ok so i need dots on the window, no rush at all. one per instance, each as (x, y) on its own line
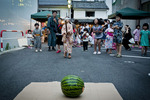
(90, 14)
(146, 6)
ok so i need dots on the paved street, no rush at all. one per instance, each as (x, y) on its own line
(129, 74)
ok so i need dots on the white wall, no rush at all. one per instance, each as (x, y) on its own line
(109, 4)
(80, 14)
(16, 17)
(101, 14)
(63, 11)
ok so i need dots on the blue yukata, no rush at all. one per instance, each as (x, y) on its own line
(37, 39)
(52, 26)
(118, 32)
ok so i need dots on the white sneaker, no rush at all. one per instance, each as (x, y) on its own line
(94, 52)
(99, 53)
(40, 50)
(148, 74)
(36, 50)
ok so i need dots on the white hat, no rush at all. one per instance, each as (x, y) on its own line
(67, 18)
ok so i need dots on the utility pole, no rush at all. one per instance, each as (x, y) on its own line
(69, 8)
(139, 8)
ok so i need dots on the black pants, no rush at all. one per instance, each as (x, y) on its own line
(85, 46)
(126, 44)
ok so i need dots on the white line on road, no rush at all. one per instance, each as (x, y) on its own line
(135, 56)
(130, 56)
(131, 50)
(138, 50)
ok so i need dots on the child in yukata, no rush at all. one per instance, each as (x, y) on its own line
(67, 39)
(136, 34)
(109, 39)
(117, 26)
(37, 33)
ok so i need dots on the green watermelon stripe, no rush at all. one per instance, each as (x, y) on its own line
(67, 80)
(72, 86)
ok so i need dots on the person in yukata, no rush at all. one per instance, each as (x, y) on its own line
(37, 33)
(52, 29)
(136, 34)
(117, 26)
(67, 39)
(109, 39)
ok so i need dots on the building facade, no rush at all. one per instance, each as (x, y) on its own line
(61, 6)
(89, 10)
(135, 4)
(82, 10)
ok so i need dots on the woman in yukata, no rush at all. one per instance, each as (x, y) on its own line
(67, 33)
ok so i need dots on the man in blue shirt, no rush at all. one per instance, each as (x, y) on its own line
(117, 26)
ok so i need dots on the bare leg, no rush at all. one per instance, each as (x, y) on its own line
(120, 48)
(99, 45)
(138, 43)
(107, 50)
(145, 50)
(117, 48)
(142, 50)
(95, 45)
(58, 47)
(110, 51)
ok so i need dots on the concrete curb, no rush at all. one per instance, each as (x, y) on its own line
(15, 49)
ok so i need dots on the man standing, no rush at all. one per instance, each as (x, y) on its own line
(52, 30)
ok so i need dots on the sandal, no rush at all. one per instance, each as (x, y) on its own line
(65, 54)
(69, 56)
(119, 56)
(109, 52)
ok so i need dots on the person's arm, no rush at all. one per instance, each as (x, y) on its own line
(48, 23)
(140, 36)
(70, 29)
(149, 36)
(33, 33)
(101, 29)
(94, 31)
(63, 30)
(41, 34)
(120, 26)
(48, 26)
(134, 32)
(127, 31)
(87, 34)
(106, 30)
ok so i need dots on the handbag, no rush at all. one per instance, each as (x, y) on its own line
(132, 41)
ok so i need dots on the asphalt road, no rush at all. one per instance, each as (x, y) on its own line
(129, 74)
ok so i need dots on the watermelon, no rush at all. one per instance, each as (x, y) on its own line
(72, 86)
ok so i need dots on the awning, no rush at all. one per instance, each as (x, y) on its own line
(41, 16)
(129, 13)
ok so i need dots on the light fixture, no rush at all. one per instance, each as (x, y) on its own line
(69, 6)
(69, 1)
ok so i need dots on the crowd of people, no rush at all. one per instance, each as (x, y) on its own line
(102, 33)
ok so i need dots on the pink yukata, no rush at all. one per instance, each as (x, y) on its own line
(136, 33)
(109, 38)
(67, 38)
